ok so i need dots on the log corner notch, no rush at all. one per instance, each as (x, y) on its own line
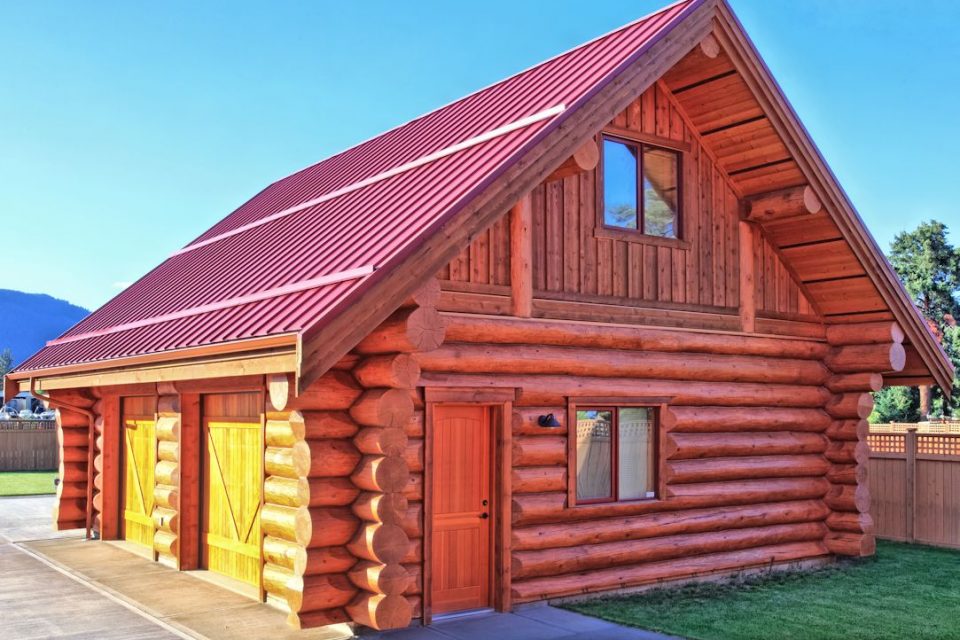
(74, 505)
(784, 203)
(166, 514)
(859, 355)
(585, 158)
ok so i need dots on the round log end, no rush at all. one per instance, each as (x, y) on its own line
(709, 46)
(810, 200)
(898, 357)
(425, 329)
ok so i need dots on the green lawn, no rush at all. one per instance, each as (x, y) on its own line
(26, 483)
(906, 591)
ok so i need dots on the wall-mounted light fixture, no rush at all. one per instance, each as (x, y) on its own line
(548, 421)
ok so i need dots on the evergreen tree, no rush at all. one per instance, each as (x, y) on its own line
(6, 362)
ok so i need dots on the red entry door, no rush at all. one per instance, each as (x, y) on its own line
(462, 508)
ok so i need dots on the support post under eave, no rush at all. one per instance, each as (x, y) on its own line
(748, 298)
(521, 258)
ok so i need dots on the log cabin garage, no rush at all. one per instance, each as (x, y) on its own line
(608, 323)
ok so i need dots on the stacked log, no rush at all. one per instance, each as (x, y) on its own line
(106, 467)
(742, 467)
(73, 437)
(166, 509)
(306, 515)
(387, 414)
(860, 353)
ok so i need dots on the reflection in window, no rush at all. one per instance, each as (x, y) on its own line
(654, 210)
(615, 451)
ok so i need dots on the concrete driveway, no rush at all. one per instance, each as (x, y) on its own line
(39, 598)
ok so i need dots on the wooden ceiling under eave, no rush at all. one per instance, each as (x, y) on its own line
(735, 129)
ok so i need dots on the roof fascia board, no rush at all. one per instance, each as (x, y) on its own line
(808, 156)
(328, 341)
(282, 361)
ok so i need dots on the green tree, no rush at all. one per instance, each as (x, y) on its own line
(6, 362)
(929, 266)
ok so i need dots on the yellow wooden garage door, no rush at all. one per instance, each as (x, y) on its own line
(139, 463)
(232, 484)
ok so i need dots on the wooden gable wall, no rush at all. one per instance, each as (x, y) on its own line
(576, 260)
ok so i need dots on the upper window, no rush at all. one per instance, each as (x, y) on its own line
(641, 187)
(616, 454)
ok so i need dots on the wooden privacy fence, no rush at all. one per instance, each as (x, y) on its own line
(28, 445)
(915, 486)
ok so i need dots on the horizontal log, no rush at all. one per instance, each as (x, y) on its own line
(414, 428)
(167, 473)
(73, 472)
(332, 458)
(383, 408)
(857, 545)
(413, 455)
(66, 419)
(321, 560)
(852, 498)
(73, 438)
(631, 576)
(539, 451)
(319, 593)
(385, 543)
(501, 330)
(166, 543)
(744, 468)
(850, 405)
(390, 579)
(317, 619)
(408, 330)
(287, 462)
(867, 358)
(77, 454)
(848, 452)
(389, 508)
(525, 421)
(167, 497)
(331, 527)
(292, 524)
(783, 203)
(288, 492)
(334, 391)
(286, 432)
(169, 451)
(604, 363)
(585, 158)
(685, 446)
(847, 473)
(165, 519)
(329, 424)
(538, 479)
(603, 530)
(390, 441)
(332, 492)
(851, 429)
(386, 474)
(414, 488)
(69, 510)
(276, 578)
(551, 562)
(850, 522)
(412, 522)
(168, 428)
(883, 332)
(545, 389)
(428, 295)
(848, 382)
(283, 554)
(395, 370)
(381, 612)
(414, 553)
(546, 508)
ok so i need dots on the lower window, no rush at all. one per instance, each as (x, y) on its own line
(615, 453)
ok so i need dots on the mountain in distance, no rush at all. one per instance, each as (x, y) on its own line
(29, 320)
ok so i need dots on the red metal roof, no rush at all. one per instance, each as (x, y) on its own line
(240, 279)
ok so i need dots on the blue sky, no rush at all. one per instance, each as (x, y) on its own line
(127, 128)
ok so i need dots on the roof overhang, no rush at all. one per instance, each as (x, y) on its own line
(259, 356)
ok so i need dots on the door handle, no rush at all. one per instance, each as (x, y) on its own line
(484, 515)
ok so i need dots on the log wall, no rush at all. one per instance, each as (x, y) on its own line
(70, 509)
(166, 510)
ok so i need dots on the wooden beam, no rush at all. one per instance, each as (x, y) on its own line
(748, 290)
(521, 257)
(781, 204)
(710, 47)
(585, 158)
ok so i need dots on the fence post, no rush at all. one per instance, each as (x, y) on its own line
(910, 446)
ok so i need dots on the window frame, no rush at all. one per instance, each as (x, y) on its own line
(641, 142)
(614, 404)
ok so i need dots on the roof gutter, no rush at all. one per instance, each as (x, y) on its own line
(91, 420)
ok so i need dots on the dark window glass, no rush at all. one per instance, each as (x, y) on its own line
(616, 454)
(619, 185)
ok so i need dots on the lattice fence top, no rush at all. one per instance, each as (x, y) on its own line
(948, 426)
(887, 442)
(931, 444)
(28, 425)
